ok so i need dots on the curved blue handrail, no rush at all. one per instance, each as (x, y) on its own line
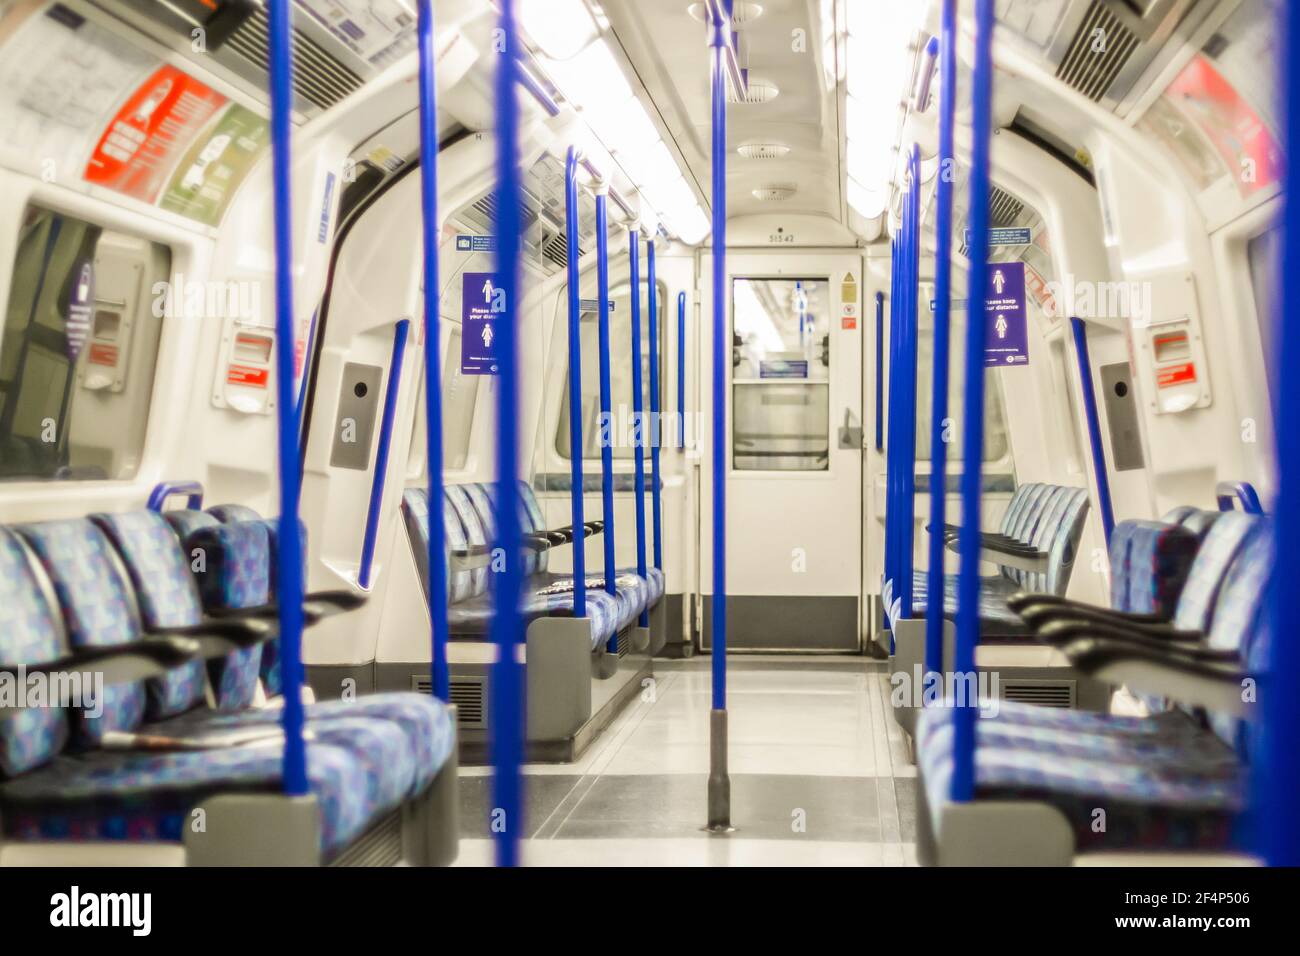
(638, 409)
(656, 432)
(506, 629)
(1100, 473)
(193, 491)
(968, 583)
(606, 401)
(575, 383)
(934, 591)
(289, 567)
(1231, 493)
(379, 478)
(440, 670)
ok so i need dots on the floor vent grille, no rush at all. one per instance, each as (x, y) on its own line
(1099, 51)
(469, 694)
(381, 845)
(1058, 694)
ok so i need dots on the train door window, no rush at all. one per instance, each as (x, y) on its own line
(1265, 254)
(781, 374)
(459, 396)
(78, 351)
(620, 377)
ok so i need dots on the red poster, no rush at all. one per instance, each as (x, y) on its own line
(151, 132)
(1245, 144)
(1176, 375)
(247, 375)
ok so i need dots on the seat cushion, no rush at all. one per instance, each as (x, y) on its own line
(608, 614)
(356, 768)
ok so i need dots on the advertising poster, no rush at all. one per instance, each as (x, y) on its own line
(215, 166)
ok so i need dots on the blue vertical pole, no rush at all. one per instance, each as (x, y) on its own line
(719, 787)
(656, 432)
(606, 401)
(289, 567)
(575, 383)
(891, 450)
(638, 409)
(968, 584)
(1094, 427)
(1278, 784)
(441, 672)
(880, 371)
(910, 336)
(506, 629)
(681, 371)
(934, 595)
(374, 509)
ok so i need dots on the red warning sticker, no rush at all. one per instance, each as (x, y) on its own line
(849, 322)
(1176, 375)
(247, 375)
(101, 354)
(150, 133)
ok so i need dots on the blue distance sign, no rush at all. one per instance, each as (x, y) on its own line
(482, 309)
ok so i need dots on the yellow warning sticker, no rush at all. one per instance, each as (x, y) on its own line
(849, 288)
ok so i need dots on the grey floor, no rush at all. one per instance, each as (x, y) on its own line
(819, 776)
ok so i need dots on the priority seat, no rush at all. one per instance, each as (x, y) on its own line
(1175, 780)
(178, 742)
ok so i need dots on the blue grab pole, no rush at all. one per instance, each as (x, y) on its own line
(681, 371)
(375, 509)
(1278, 783)
(638, 409)
(891, 450)
(1094, 427)
(968, 584)
(719, 784)
(575, 384)
(907, 527)
(506, 689)
(606, 401)
(880, 371)
(934, 600)
(289, 567)
(656, 432)
(440, 671)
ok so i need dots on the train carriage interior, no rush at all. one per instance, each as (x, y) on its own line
(651, 433)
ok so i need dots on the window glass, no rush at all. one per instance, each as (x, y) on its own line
(459, 395)
(996, 443)
(1265, 252)
(620, 375)
(78, 351)
(781, 361)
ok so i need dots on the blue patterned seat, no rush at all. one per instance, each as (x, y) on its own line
(1166, 781)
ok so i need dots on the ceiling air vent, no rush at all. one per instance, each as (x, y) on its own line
(1004, 208)
(759, 91)
(764, 150)
(318, 77)
(555, 249)
(773, 193)
(1099, 51)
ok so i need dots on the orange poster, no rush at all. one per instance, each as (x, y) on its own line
(151, 132)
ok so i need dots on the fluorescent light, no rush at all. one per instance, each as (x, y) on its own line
(693, 228)
(591, 80)
(560, 28)
(627, 128)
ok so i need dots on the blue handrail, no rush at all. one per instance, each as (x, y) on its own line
(638, 408)
(681, 371)
(377, 481)
(506, 689)
(1278, 782)
(289, 567)
(606, 419)
(1099, 470)
(880, 371)
(934, 601)
(193, 491)
(1231, 493)
(438, 627)
(907, 491)
(891, 451)
(575, 382)
(656, 432)
(968, 583)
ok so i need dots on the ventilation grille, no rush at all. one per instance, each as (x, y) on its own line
(555, 249)
(764, 150)
(624, 643)
(381, 845)
(317, 76)
(773, 193)
(1058, 694)
(757, 91)
(1100, 49)
(1004, 208)
(468, 694)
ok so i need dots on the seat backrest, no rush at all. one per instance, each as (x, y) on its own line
(1035, 526)
(469, 584)
(95, 598)
(1216, 554)
(1159, 557)
(1014, 507)
(1064, 545)
(31, 632)
(167, 595)
(1030, 511)
(230, 513)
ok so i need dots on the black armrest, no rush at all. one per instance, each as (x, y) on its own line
(315, 605)
(1059, 633)
(152, 656)
(1039, 616)
(1200, 677)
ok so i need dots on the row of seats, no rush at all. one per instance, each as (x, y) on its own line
(1185, 632)
(470, 522)
(177, 612)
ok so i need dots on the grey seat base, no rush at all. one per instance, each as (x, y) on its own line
(1061, 684)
